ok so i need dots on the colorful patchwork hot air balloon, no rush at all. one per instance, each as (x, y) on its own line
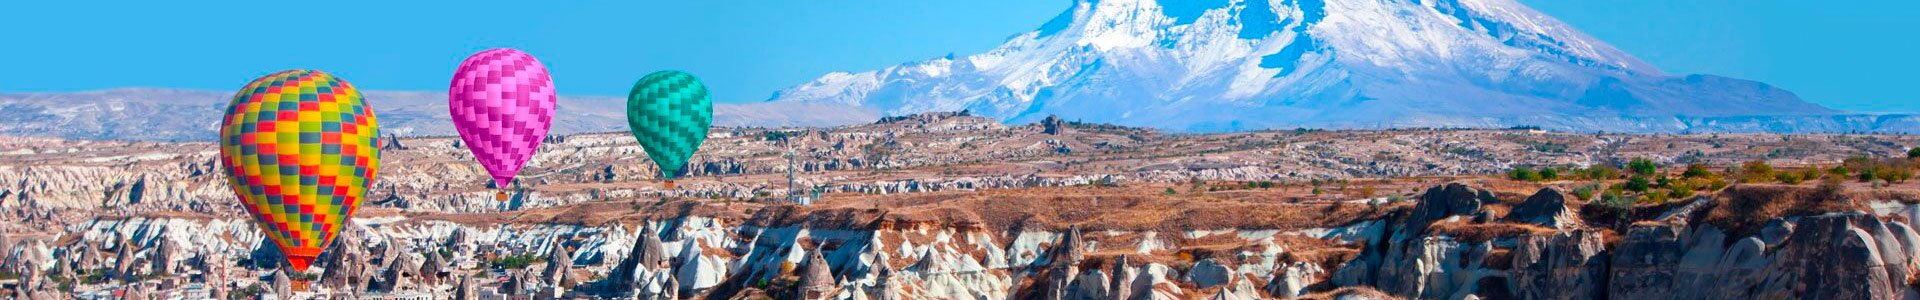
(502, 103)
(300, 149)
(669, 112)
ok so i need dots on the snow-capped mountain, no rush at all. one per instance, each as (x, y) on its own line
(1252, 64)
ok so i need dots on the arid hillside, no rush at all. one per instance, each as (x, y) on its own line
(939, 206)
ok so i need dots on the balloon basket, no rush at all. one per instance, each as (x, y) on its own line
(669, 184)
(298, 285)
(500, 196)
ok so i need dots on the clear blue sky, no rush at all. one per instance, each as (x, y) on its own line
(1854, 55)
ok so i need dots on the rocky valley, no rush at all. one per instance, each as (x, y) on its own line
(953, 206)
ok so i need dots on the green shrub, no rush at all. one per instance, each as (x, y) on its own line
(1638, 184)
(518, 261)
(1599, 172)
(1788, 177)
(1913, 154)
(1523, 174)
(1642, 167)
(1839, 171)
(1696, 171)
(1756, 171)
(1679, 193)
(1585, 192)
(1811, 173)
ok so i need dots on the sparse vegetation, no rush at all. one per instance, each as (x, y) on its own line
(1642, 167)
(1679, 193)
(1601, 172)
(1697, 171)
(1788, 177)
(1638, 184)
(518, 261)
(1524, 174)
(1549, 174)
(1585, 192)
(1756, 172)
(1743, 210)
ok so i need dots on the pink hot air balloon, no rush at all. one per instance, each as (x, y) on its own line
(502, 103)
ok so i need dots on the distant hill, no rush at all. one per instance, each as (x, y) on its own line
(194, 115)
(1229, 65)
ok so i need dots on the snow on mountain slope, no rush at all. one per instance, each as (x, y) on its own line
(1217, 65)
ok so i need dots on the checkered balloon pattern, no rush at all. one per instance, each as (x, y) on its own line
(502, 102)
(669, 112)
(300, 149)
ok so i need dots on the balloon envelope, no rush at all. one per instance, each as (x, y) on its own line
(669, 113)
(502, 103)
(300, 150)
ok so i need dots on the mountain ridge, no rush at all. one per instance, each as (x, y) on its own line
(1253, 64)
(194, 115)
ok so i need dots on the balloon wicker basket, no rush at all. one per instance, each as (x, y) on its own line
(500, 196)
(669, 184)
(298, 285)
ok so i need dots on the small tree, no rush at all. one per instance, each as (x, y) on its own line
(1642, 167)
(1696, 171)
(1549, 174)
(1170, 192)
(1523, 174)
(1585, 192)
(1638, 184)
(1756, 171)
(1913, 154)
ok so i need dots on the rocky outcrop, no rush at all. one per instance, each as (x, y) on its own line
(1120, 285)
(282, 286)
(559, 270)
(1547, 208)
(1566, 265)
(816, 277)
(1053, 125)
(1435, 249)
(1669, 255)
(465, 290)
(401, 273)
(1453, 199)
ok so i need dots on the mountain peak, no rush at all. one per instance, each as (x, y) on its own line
(1253, 64)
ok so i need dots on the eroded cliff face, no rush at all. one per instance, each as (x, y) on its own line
(1453, 241)
(714, 258)
(1682, 252)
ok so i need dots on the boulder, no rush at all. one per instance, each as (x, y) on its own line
(1547, 208)
(1440, 202)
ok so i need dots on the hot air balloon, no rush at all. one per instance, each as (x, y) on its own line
(502, 103)
(669, 112)
(300, 149)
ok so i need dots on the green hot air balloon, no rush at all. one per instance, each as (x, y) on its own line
(669, 112)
